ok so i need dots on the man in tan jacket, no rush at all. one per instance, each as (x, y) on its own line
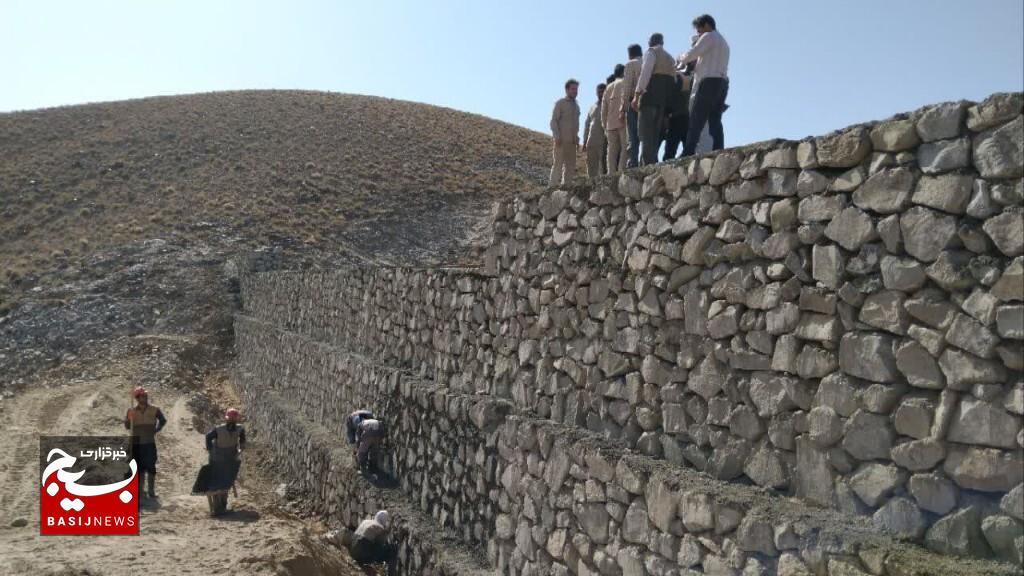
(631, 75)
(593, 136)
(565, 132)
(614, 121)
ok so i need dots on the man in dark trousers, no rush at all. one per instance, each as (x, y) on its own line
(678, 112)
(653, 90)
(144, 421)
(224, 443)
(711, 84)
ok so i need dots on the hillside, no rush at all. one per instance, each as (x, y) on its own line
(116, 218)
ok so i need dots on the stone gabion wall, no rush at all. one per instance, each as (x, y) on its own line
(839, 319)
(543, 498)
(297, 416)
(445, 452)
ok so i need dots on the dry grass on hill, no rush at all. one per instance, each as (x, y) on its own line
(325, 171)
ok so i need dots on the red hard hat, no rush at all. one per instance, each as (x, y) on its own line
(139, 391)
(232, 414)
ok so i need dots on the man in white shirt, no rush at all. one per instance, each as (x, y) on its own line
(711, 84)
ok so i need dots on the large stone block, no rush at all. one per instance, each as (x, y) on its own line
(984, 469)
(1007, 231)
(994, 110)
(948, 192)
(958, 534)
(941, 121)
(868, 436)
(868, 355)
(902, 518)
(887, 191)
(999, 153)
(926, 233)
(983, 423)
(844, 149)
(894, 136)
(851, 228)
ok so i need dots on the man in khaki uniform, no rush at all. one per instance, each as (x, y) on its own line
(631, 75)
(651, 97)
(565, 132)
(614, 121)
(593, 136)
(144, 421)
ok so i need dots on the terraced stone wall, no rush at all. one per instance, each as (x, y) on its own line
(839, 319)
(540, 497)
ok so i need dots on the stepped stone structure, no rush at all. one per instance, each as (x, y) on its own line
(790, 358)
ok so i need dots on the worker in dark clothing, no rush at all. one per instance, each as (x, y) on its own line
(144, 421)
(352, 423)
(678, 112)
(371, 543)
(224, 444)
(370, 436)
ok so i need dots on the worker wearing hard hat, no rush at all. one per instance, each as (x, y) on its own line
(224, 443)
(144, 421)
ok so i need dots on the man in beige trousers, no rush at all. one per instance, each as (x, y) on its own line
(565, 132)
(614, 121)
(593, 136)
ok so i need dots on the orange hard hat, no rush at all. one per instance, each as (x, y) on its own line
(232, 415)
(139, 391)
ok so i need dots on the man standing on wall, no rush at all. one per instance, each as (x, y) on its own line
(614, 121)
(711, 84)
(593, 136)
(653, 90)
(678, 111)
(565, 130)
(630, 75)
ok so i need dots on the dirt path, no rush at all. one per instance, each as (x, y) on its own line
(177, 537)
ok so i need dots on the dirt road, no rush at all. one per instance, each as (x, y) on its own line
(177, 537)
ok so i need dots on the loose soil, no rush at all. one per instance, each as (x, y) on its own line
(260, 535)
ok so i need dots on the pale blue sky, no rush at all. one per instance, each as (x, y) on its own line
(798, 67)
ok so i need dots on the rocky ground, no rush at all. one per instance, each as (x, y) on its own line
(264, 533)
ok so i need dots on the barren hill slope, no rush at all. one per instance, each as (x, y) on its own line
(117, 217)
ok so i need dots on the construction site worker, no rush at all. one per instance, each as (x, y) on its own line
(653, 90)
(593, 137)
(144, 421)
(224, 444)
(614, 121)
(565, 129)
(631, 74)
(711, 84)
(352, 423)
(370, 543)
(370, 434)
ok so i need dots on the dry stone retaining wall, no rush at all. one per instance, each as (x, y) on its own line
(839, 319)
(540, 497)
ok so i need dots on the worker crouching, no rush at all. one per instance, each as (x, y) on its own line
(370, 438)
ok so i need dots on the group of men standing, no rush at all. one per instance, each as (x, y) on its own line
(651, 99)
